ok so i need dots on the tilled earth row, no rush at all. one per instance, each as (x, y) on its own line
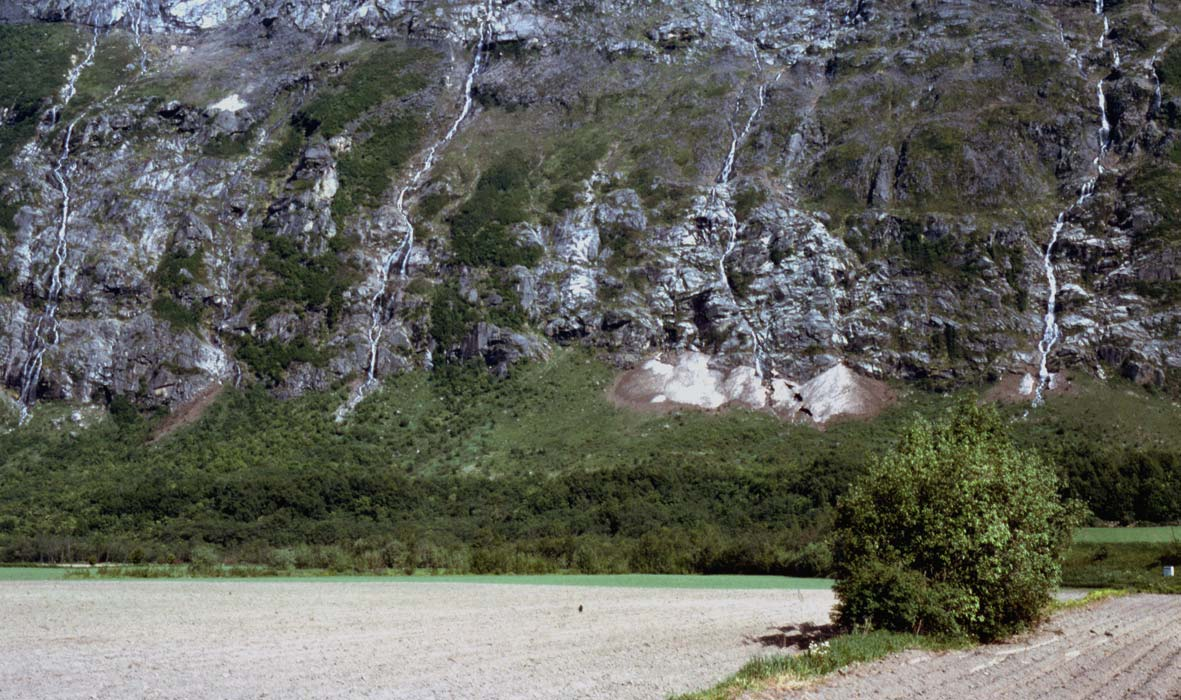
(1124, 648)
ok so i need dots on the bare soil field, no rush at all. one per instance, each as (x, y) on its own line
(1124, 648)
(254, 639)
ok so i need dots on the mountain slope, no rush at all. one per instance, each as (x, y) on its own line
(779, 185)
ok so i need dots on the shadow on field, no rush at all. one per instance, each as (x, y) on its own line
(800, 636)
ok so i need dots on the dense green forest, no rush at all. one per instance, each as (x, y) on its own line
(539, 472)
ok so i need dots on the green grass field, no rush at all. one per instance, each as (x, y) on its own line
(1119, 535)
(32, 573)
(722, 582)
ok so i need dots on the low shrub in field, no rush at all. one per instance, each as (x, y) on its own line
(954, 532)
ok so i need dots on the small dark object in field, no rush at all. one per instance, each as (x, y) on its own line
(579, 608)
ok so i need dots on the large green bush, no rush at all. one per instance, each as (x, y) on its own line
(480, 229)
(956, 531)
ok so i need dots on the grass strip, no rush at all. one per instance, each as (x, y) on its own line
(786, 672)
(1121, 535)
(251, 573)
(32, 573)
(1090, 598)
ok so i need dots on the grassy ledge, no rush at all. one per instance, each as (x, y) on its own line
(771, 673)
(1090, 598)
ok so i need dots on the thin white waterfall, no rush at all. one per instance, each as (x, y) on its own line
(720, 196)
(400, 256)
(45, 330)
(1051, 333)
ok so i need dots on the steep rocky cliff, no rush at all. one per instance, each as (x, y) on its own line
(307, 194)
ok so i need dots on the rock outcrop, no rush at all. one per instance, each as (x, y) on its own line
(235, 169)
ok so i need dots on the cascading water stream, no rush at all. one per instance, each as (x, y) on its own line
(720, 196)
(1051, 333)
(45, 331)
(400, 256)
(136, 33)
(1151, 67)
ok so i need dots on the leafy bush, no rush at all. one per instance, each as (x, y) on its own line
(175, 272)
(366, 171)
(451, 316)
(956, 531)
(270, 358)
(177, 313)
(283, 152)
(384, 74)
(8, 211)
(303, 280)
(480, 229)
(227, 146)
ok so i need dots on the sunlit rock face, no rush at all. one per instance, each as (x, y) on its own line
(696, 380)
(765, 197)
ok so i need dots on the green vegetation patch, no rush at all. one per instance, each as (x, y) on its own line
(454, 470)
(480, 229)
(1159, 183)
(1107, 535)
(303, 281)
(451, 315)
(32, 573)
(115, 63)
(667, 581)
(819, 660)
(176, 272)
(270, 358)
(177, 313)
(458, 471)
(385, 73)
(380, 150)
(1169, 70)
(1123, 454)
(1131, 565)
(283, 152)
(571, 163)
(34, 60)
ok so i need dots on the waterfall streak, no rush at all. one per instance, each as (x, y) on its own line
(1051, 333)
(136, 33)
(45, 332)
(400, 256)
(719, 195)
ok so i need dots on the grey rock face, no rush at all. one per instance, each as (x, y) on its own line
(882, 212)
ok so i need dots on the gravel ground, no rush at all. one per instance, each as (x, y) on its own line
(200, 639)
(1124, 648)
